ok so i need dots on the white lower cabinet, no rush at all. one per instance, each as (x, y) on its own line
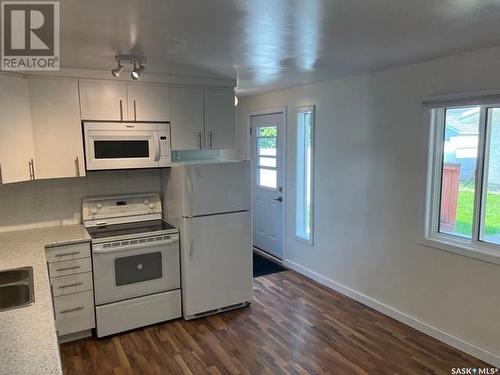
(74, 313)
(72, 290)
(72, 284)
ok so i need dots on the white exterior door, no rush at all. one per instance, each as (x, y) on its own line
(268, 195)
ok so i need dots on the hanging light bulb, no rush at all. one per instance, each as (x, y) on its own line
(236, 100)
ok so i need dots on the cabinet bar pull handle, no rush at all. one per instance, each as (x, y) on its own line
(1, 179)
(121, 110)
(198, 135)
(68, 268)
(77, 166)
(31, 166)
(135, 112)
(68, 254)
(72, 310)
(211, 139)
(70, 285)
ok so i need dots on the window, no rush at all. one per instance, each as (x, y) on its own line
(267, 172)
(305, 164)
(464, 190)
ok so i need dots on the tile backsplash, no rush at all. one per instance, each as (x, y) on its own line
(58, 202)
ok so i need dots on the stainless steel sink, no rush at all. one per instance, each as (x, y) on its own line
(16, 288)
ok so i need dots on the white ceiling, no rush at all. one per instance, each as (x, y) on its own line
(270, 44)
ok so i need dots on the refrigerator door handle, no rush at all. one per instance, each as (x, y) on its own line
(189, 200)
(191, 249)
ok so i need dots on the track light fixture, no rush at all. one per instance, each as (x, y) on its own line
(136, 62)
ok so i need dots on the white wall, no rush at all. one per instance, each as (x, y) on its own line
(371, 155)
(45, 203)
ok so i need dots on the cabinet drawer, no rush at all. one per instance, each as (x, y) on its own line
(70, 267)
(61, 253)
(74, 313)
(71, 284)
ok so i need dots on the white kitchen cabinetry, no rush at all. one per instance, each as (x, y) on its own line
(186, 106)
(148, 103)
(56, 128)
(70, 273)
(202, 118)
(105, 101)
(219, 118)
(16, 134)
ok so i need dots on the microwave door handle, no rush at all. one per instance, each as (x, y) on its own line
(157, 151)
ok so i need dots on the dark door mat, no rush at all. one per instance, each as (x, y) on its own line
(263, 266)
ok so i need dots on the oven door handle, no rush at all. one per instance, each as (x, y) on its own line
(135, 247)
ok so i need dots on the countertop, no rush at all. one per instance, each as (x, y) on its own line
(28, 339)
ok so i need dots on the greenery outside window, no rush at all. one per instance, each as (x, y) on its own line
(463, 205)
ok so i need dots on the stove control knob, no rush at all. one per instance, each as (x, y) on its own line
(93, 211)
(151, 206)
(99, 205)
(146, 202)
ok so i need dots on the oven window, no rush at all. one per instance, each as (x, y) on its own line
(121, 149)
(137, 268)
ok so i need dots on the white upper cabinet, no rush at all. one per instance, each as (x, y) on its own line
(148, 103)
(219, 118)
(106, 101)
(186, 106)
(57, 128)
(16, 135)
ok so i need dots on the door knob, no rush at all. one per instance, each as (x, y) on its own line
(279, 199)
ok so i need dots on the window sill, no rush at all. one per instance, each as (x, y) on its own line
(485, 253)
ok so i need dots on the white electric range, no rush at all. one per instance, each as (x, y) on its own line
(135, 257)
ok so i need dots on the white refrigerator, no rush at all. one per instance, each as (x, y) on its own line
(211, 204)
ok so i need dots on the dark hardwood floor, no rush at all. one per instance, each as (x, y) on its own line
(294, 326)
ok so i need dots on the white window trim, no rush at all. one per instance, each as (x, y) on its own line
(298, 110)
(472, 248)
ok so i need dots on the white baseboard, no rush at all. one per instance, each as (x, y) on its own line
(419, 325)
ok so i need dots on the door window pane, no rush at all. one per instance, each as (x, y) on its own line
(266, 146)
(458, 179)
(268, 178)
(267, 131)
(491, 210)
(267, 162)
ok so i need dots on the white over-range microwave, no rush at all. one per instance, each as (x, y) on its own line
(130, 145)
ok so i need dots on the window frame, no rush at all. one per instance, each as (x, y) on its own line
(473, 247)
(299, 110)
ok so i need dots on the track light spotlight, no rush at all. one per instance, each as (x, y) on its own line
(116, 71)
(137, 72)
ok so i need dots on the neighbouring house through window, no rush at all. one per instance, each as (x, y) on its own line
(464, 196)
